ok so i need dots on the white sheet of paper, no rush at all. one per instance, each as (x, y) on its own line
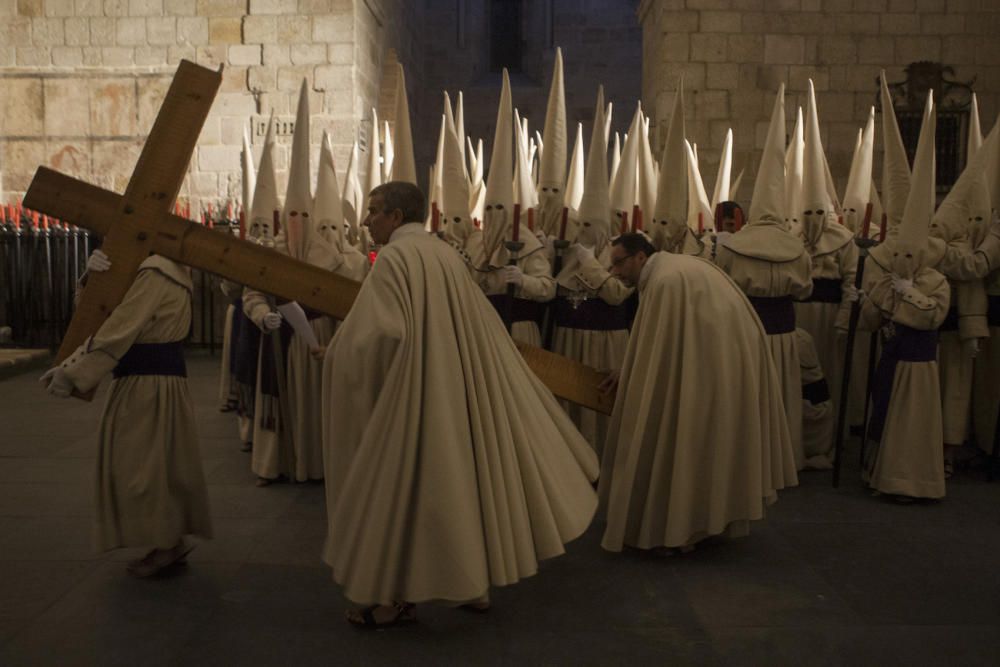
(293, 313)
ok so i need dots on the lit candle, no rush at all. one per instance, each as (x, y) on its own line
(882, 226)
(562, 224)
(866, 225)
(276, 217)
(515, 234)
(243, 226)
(531, 219)
(701, 224)
(635, 218)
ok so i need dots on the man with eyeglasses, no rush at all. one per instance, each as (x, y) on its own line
(676, 467)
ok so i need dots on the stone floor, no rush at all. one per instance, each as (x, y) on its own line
(831, 577)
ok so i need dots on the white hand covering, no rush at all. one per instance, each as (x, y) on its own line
(57, 382)
(581, 252)
(98, 261)
(512, 275)
(901, 285)
(272, 321)
(852, 294)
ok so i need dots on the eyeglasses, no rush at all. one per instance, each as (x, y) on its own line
(621, 260)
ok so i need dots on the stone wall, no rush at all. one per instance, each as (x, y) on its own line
(734, 53)
(82, 80)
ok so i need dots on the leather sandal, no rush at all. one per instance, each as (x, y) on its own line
(403, 614)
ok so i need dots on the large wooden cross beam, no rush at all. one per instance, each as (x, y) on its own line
(140, 223)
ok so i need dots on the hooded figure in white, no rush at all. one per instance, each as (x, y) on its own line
(294, 450)
(669, 229)
(552, 168)
(531, 274)
(228, 385)
(772, 268)
(907, 301)
(455, 216)
(592, 312)
(825, 313)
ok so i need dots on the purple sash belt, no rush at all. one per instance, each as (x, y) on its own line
(592, 314)
(907, 344)
(776, 313)
(152, 359)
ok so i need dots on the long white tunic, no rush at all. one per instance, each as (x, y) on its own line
(150, 485)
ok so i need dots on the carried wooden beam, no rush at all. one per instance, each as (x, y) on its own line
(140, 223)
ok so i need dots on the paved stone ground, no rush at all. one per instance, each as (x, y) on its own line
(831, 577)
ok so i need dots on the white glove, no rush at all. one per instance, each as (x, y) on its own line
(722, 237)
(901, 285)
(853, 295)
(272, 321)
(971, 347)
(582, 252)
(56, 382)
(512, 275)
(98, 261)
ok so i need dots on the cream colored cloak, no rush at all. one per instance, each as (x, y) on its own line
(450, 467)
(697, 439)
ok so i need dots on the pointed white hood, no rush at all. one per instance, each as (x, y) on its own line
(625, 186)
(456, 219)
(858, 191)
(817, 204)
(910, 242)
(647, 177)
(699, 206)
(966, 209)
(616, 159)
(721, 192)
(477, 187)
(552, 172)
(498, 213)
(389, 152)
(373, 176)
(298, 196)
(794, 159)
(328, 207)
(593, 221)
(574, 181)
(670, 212)
(354, 198)
(769, 200)
(260, 223)
(895, 166)
(249, 173)
(404, 167)
(460, 129)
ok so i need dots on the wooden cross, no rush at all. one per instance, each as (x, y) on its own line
(140, 223)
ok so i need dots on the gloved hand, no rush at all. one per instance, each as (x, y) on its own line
(272, 321)
(971, 347)
(512, 275)
(98, 261)
(853, 295)
(56, 382)
(901, 285)
(581, 252)
(722, 237)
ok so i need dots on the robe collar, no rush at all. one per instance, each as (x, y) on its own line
(406, 229)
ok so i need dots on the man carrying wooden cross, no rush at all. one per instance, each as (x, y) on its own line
(489, 383)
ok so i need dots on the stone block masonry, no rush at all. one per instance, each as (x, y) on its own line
(83, 79)
(735, 53)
